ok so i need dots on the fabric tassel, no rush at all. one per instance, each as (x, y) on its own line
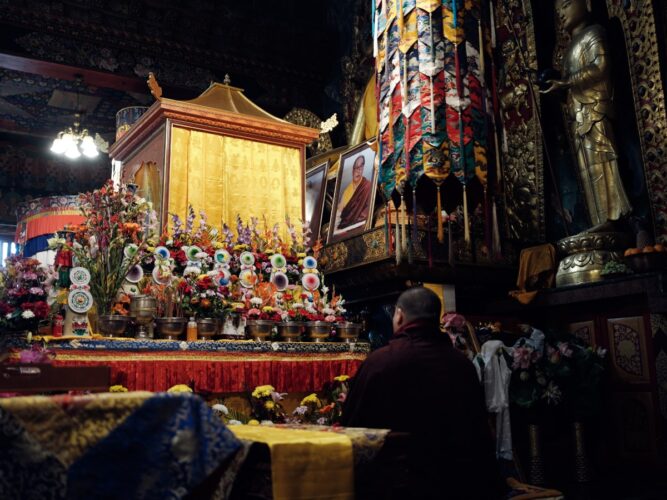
(399, 256)
(466, 226)
(414, 216)
(493, 24)
(387, 245)
(441, 229)
(391, 233)
(404, 217)
(495, 231)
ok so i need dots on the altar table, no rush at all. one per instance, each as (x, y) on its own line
(213, 366)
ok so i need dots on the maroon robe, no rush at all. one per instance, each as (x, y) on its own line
(421, 385)
(357, 208)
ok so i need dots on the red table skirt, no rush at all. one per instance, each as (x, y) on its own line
(218, 372)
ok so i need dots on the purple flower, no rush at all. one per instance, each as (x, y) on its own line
(228, 235)
(189, 222)
(178, 225)
(300, 410)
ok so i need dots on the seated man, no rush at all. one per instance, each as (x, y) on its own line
(421, 385)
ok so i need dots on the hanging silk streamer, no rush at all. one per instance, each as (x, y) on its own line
(427, 75)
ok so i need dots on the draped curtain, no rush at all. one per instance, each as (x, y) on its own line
(227, 176)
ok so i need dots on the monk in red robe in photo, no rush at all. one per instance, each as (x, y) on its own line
(355, 201)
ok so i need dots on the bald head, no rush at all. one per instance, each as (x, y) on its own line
(417, 304)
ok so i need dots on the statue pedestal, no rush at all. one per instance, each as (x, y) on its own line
(585, 255)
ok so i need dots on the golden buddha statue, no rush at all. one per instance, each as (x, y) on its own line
(587, 79)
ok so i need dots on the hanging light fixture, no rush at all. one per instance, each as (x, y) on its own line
(74, 142)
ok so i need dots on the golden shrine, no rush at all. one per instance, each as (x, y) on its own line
(220, 153)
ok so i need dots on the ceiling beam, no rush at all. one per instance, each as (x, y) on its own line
(90, 77)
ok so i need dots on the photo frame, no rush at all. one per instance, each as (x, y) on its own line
(316, 179)
(354, 194)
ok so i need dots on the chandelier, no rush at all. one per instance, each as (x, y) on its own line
(73, 142)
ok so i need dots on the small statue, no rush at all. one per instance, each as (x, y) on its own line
(64, 257)
(587, 79)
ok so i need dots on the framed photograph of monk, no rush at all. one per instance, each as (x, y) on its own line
(316, 179)
(354, 197)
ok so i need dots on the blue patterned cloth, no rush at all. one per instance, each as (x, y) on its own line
(164, 449)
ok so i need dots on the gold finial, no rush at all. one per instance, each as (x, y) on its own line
(154, 87)
(227, 80)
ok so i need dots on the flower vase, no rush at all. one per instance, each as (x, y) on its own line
(206, 328)
(291, 331)
(259, 329)
(535, 458)
(318, 331)
(581, 464)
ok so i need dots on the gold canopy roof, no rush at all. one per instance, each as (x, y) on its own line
(224, 97)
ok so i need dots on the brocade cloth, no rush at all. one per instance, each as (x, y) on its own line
(130, 445)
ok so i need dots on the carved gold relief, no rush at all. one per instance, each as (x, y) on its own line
(307, 118)
(522, 138)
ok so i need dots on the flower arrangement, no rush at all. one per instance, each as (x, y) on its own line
(112, 240)
(265, 403)
(24, 289)
(312, 411)
(556, 371)
(250, 270)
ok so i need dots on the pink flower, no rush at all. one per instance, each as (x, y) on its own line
(342, 396)
(523, 357)
(453, 320)
(36, 291)
(254, 312)
(330, 319)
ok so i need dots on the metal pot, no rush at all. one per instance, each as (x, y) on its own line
(291, 331)
(348, 331)
(206, 328)
(259, 329)
(113, 325)
(143, 308)
(170, 328)
(318, 331)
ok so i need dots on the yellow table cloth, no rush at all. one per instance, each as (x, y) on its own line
(305, 464)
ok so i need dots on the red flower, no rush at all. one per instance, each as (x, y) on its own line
(41, 309)
(179, 256)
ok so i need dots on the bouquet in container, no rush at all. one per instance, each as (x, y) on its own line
(24, 287)
(113, 239)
